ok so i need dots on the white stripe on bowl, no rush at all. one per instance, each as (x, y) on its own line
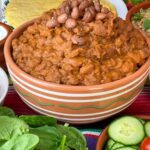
(78, 119)
(76, 101)
(77, 115)
(76, 95)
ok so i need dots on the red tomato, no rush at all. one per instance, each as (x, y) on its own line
(145, 145)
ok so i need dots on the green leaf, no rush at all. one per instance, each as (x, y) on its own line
(23, 142)
(36, 121)
(10, 127)
(2, 142)
(147, 24)
(75, 139)
(62, 144)
(137, 1)
(137, 17)
(49, 137)
(5, 111)
(125, 1)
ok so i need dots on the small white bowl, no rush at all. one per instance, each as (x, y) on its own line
(3, 85)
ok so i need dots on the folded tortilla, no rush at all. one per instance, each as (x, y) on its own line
(20, 11)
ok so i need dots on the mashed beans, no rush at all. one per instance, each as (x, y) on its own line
(86, 51)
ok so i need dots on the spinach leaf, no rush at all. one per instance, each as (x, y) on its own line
(80, 143)
(36, 121)
(10, 127)
(49, 137)
(62, 144)
(5, 111)
(137, 16)
(2, 142)
(23, 142)
(137, 1)
(147, 24)
(74, 138)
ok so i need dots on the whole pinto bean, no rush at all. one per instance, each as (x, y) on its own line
(81, 13)
(97, 5)
(77, 40)
(100, 16)
(91, 2)
(92, 11)
(52, 23)
(74, 3)
(79, 1)
(75, 13)
(62, 18)
(62, 9)
(84, 4)
(104, 10)
(70, 23)
(87, 17)
(67, 9)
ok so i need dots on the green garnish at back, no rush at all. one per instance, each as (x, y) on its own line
(137, 16)
(137, 1)
(147, 24)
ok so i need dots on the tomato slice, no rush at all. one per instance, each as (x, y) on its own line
(145, 145)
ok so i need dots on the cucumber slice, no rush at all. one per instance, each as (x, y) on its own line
(116, 145)
(125, 148)
(136, 147)
(126, 130)
(147, 128)
(110, 143)
(142, 121)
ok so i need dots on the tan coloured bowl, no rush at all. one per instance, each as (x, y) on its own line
(8, 30)
(74, 104)
(104, 135)
(136, 9)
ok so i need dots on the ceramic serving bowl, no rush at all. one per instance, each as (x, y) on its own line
(3, 85)
(74, 104)
(104, 135)
(136, 9)
(5, 30)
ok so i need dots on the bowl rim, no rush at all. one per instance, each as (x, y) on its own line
(2, 72)
(8, 30)
(10, 62)
(104, 134)
(136, 8)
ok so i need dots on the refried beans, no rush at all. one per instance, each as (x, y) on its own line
(80, 43)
